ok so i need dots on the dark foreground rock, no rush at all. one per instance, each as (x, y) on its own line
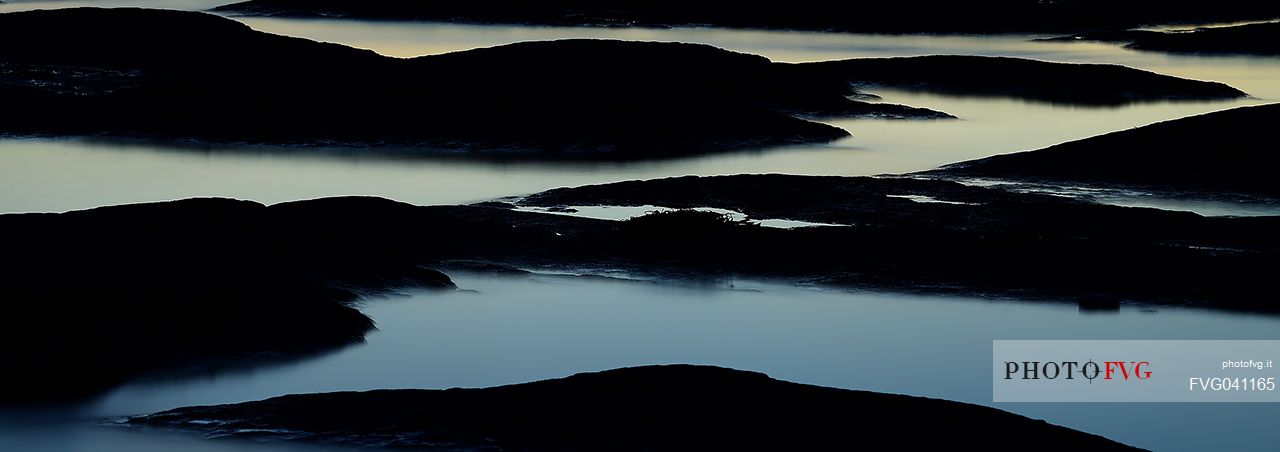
(1088, 84)
(98, 297)
(1249, 39)
(675, 407)
(94, 298)
(174, 75)
(928, 16)
(1218, 154)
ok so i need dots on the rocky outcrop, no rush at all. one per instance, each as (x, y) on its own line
(99, 297)
(936, 236)
(184, 76)
(171, 75)
(674, 407)
(1215, 154)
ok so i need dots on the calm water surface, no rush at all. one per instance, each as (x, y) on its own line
(515, 330)
(509, 330)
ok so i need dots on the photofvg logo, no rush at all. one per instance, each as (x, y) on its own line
(1071, 370)
(1134, 371)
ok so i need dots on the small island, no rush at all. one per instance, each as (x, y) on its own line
(1059, 83)
(1220, 154)
(671, 407)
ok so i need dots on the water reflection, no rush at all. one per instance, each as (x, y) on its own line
(60, 175)
(42, 175)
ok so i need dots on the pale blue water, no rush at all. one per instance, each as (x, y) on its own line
(510, 330)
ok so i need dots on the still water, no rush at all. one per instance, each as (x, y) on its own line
(517, 329)
(509, 330)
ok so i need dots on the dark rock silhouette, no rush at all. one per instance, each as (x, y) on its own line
(1215, 154)
(182, 75)
(1248, 39)
(178, 76)
(101, 296)
(673, 407)
(1089, 84)
(206, 283)
(1096, 304)
(979, 240)
(929, 16)
(683, 225)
